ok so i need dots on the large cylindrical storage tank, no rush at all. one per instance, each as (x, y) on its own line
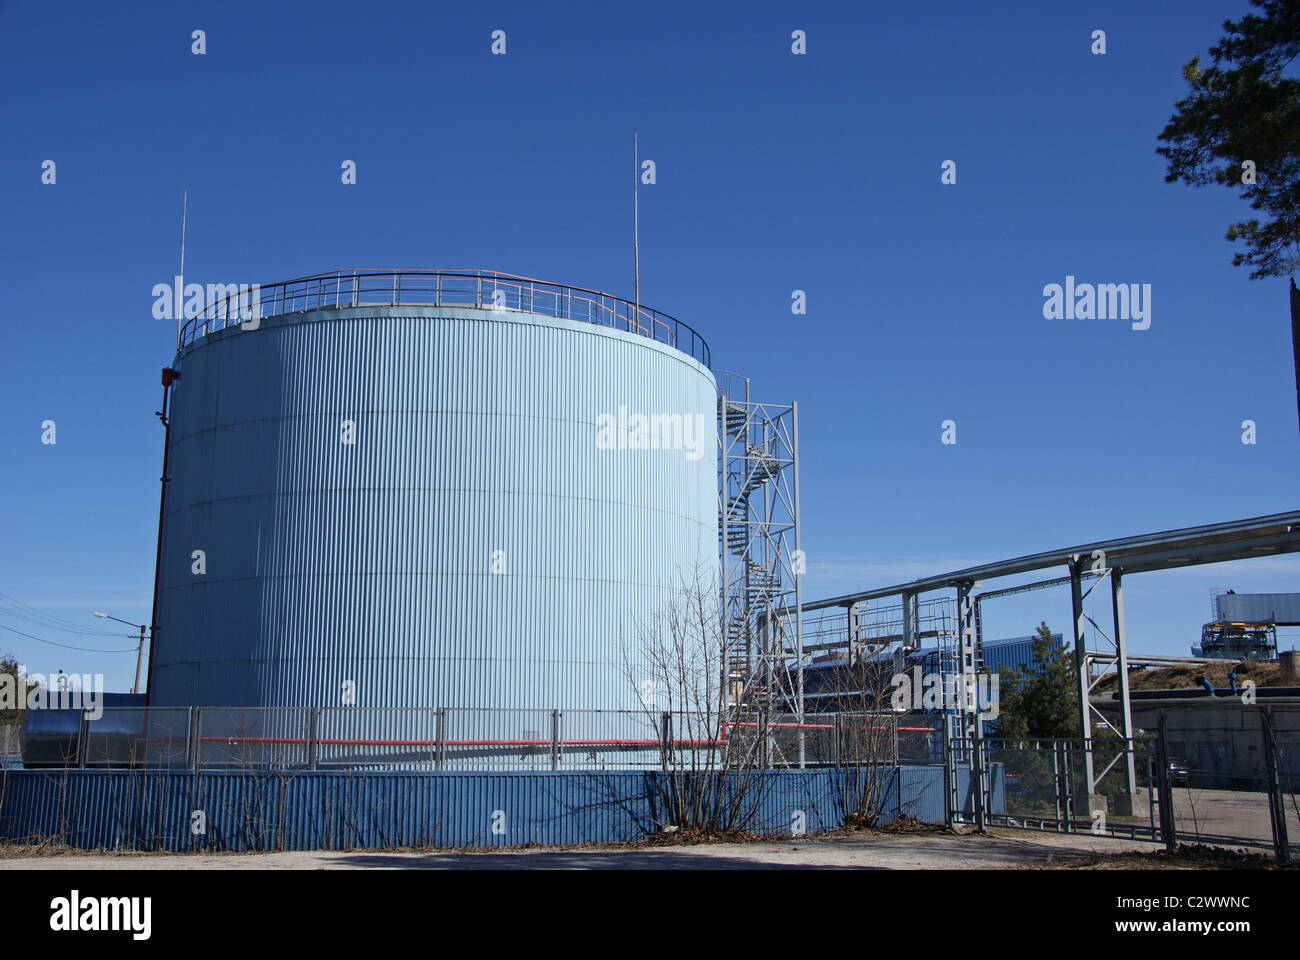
(414, 501)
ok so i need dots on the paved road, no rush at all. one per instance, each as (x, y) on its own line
(1223, 815)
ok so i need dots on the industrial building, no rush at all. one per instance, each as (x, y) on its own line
(1244, 625)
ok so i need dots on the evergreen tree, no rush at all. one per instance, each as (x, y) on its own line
(1041, 700)
(1239, 127)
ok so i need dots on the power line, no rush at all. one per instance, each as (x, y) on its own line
(32, 614)
(14, 601)
(67, 646)
(21, 615)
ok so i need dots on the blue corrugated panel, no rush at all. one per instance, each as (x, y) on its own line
(921, 793)
(372, 562)
(243, 811)
(1014, 653)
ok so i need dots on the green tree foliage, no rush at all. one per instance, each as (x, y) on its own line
(1041, 700)
(9, 666)
(1242, 108)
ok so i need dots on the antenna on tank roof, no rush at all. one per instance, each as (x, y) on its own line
(185, 202)
(636, 232)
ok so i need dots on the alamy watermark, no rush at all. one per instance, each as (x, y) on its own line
(689, 432)
(64, 691)
(1101, 301)
(77, 914)
(215, 301)
(919, 690)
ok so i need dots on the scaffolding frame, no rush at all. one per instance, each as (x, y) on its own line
(761, 560)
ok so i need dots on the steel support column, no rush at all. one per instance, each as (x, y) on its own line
(1121, 663)
(797, 568)
(972, 725)
(911, 620)
(967, 661)
(1081, 670)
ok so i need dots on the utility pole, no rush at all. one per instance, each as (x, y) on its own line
(139, 653)
(139, 657)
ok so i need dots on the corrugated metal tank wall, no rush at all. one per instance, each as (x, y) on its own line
(371, 562)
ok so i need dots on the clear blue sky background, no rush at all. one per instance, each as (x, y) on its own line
(775, 172)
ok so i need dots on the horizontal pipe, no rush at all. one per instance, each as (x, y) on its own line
(1211, 543)
(447, 743)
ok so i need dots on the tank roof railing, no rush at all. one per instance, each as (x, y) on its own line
(484, 289)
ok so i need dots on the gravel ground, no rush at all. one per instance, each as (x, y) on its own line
(1004, 849)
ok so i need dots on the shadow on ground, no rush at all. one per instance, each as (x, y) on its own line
(816, 854)
(567, 860)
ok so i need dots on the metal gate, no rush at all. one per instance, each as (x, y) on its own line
(1042, 784)
(1175, 791)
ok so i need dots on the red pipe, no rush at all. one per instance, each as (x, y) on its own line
(509, 743)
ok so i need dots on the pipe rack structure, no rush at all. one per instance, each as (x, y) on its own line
(1103, 560)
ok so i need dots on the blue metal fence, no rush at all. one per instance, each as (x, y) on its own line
(306, 810)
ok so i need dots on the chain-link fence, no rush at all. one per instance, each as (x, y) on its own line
(837, 739)
(1044, 784)
(1234, 782)
(10, 754)
(464, 739)
(1238, 782)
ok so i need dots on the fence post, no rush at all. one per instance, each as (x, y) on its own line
(555, 739)
(948, 785)
(977, 778)
(439, 738)
(1276, 802)
(666, 735)
(194, 746)
(83, 738)
(1150, 762)
(1058, 786)
(313, 737)
(1168, 831)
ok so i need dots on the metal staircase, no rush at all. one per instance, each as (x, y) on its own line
(758, 540)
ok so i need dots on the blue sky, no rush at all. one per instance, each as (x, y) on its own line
(775, 172)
